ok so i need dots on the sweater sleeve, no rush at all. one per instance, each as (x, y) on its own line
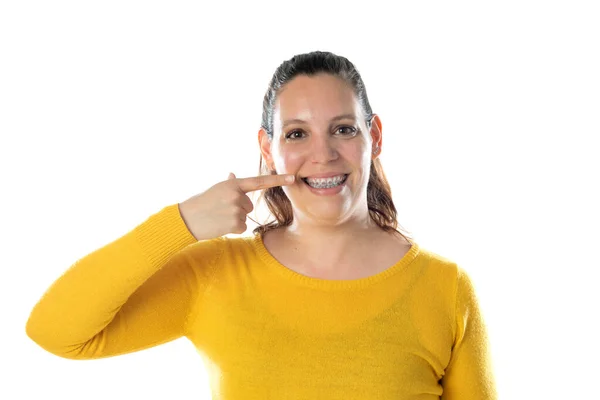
(129, 295)
(469, 374)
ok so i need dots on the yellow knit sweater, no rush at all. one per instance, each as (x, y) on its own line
(413, 331)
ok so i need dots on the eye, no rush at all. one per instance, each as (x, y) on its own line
(351, 131)
(291, 133)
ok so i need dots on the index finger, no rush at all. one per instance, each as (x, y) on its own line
(265, 182)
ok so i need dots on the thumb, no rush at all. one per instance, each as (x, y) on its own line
(231, 176)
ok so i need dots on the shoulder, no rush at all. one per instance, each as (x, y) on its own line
(206, 251)
(447, 270)
(438, 265)
(223, 247)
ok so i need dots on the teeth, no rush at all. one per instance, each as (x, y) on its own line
(326, 180)
(326, 183)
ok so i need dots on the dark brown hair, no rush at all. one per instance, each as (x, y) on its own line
(379, 195)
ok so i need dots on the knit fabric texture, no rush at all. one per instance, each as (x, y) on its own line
(413, 331)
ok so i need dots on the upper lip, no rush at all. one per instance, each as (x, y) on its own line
(325, 175)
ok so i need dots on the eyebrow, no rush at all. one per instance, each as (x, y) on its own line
(339, 117)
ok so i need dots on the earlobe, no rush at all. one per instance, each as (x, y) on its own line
(262, 138)
(265, 147)
(376, 132)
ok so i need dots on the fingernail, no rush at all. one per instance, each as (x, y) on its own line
(289, 178)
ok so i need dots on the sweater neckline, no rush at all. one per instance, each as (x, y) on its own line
(332, 284)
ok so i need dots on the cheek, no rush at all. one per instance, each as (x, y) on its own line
(291, 161)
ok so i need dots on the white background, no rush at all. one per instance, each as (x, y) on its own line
(111, 110)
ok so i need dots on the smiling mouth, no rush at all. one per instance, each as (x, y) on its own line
(342, 182)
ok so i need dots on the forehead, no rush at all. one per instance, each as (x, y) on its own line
(315, 97)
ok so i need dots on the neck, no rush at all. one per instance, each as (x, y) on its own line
(326, 244)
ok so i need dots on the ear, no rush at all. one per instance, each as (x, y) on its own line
(265, 147)
(376, 135)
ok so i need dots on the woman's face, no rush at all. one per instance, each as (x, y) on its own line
(319, 128)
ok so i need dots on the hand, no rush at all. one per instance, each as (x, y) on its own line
(223, 208)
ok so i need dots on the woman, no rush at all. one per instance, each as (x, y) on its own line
(328, 301)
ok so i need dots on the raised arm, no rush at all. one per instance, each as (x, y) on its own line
(129, 295)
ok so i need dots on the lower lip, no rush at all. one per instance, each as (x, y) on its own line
(328, 191)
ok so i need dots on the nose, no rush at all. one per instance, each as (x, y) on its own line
(323, 150)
